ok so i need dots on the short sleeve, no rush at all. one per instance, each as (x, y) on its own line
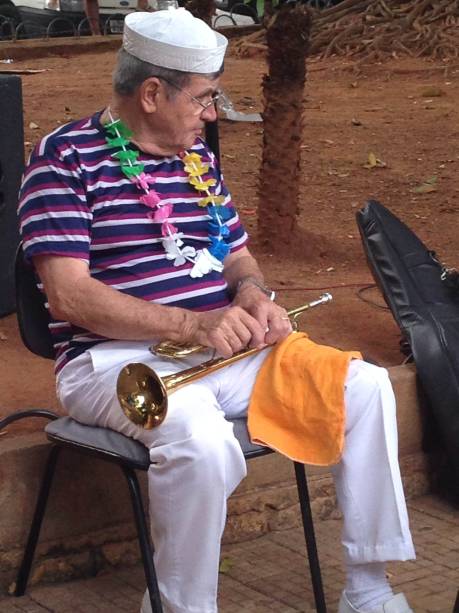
(53, 212)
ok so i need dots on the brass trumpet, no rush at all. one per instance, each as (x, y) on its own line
(142, 393)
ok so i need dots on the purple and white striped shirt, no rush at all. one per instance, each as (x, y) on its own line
(76, 202)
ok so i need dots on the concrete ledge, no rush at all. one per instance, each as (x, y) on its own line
(35, 48)
(88, 524)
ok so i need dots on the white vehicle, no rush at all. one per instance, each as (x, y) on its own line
(37, 18)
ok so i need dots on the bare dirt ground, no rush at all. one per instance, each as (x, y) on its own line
(404, 111)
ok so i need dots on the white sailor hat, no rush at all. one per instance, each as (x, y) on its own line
(174, 39)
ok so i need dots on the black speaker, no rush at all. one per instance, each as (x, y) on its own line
(11, 167)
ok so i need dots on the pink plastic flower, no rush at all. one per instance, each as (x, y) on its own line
(151, 199)
(144, 181)
(162, 213)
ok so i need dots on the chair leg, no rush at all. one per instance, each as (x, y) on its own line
(146, 547)
(29, 551)
(308, 527)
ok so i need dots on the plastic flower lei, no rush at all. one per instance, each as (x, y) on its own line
(204, 260)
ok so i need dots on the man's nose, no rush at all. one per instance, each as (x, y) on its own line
(210, 113)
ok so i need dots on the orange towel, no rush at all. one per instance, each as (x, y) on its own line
(297, 404)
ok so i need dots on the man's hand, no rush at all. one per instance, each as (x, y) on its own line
(244, 276)
(229, 330)
(272, 318)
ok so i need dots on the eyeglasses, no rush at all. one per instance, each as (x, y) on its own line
(213, 99)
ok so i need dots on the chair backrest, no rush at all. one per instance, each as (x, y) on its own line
(212, 138)
(32, 314)
(33, 317)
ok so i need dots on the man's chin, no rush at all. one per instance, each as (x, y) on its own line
(191, 141)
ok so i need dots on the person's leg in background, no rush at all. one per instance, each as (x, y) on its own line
(91, 8)
(370, 492)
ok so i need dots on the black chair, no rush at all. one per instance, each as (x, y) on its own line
(110, 446)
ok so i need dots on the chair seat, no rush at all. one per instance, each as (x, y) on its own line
(249, 449)
(115, 447)
(107, 444)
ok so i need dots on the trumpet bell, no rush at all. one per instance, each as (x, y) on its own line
(142, 395)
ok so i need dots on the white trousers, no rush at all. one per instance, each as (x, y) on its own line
(197, 463)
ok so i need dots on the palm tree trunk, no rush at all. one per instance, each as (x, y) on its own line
(283, 91)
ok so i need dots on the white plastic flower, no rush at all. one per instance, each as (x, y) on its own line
(205, 263)
(172, 246)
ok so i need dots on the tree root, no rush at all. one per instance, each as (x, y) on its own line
(376, 29)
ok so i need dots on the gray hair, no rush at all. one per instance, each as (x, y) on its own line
(130, 73)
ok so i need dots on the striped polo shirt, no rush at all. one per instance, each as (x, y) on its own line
(76, 202)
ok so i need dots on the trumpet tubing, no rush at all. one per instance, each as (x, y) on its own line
(143, 394)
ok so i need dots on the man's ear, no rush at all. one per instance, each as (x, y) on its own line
(149, 92)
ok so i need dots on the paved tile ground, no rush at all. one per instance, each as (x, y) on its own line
(270, 573)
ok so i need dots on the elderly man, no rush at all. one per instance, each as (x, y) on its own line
(134, 236)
